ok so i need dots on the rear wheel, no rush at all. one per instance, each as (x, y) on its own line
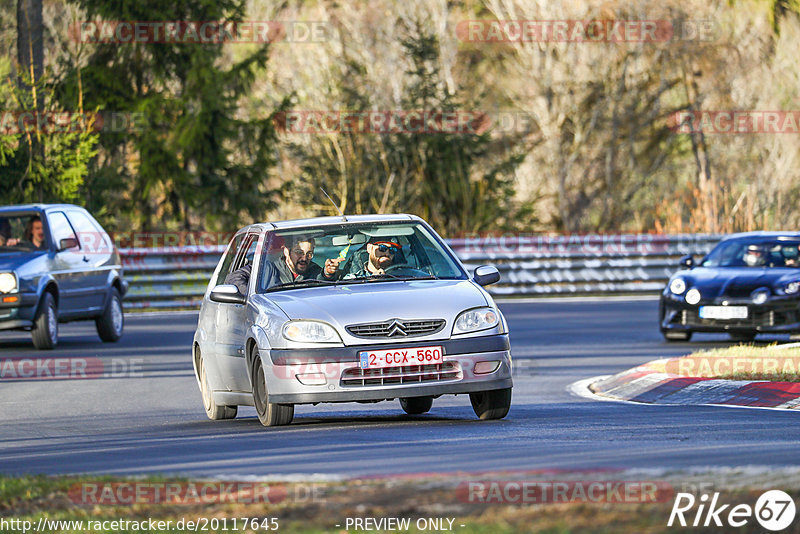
(677, 335)
(110, 324)
(213, 411)
(492, 404)
(742, 336)
(45, 326)
(269, 413)
(416, 405)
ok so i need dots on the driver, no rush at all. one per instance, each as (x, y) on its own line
(381, 254)
(754, 256)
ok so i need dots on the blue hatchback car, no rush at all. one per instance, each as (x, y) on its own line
(57, 264)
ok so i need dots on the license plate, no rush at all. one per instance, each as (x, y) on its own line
(723, 312)
(376, 359)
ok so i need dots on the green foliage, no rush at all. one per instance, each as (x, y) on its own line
(459, 182)
(188, 158)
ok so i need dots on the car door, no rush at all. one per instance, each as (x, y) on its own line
(95, 262)
(231, 326)
(68, 264)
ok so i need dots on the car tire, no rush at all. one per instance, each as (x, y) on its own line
(492, 404)
(45, 326)
(269, 413)
(416, 405)
(214, 411)
(677, 335)
(742, 336)
(112, 322)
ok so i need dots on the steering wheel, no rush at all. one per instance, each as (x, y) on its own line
(406, 269)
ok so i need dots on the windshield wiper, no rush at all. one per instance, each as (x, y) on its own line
(393, 277)
(302, 283)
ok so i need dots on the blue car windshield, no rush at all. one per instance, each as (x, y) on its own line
(755, 254)
(353, 253)
(21, 233)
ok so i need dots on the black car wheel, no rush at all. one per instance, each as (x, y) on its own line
(742, 337)
(416, 405)
(110, 324)
(45, 326)
(214, 411)
(269, 413)
(492, 404)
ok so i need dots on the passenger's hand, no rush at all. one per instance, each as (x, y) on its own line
(331, 266)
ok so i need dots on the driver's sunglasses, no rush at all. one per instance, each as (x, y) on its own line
(391, 249)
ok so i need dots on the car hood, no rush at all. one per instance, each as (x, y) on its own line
(735, 282)
(348, 304)
(10, 261)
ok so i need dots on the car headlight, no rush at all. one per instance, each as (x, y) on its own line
(677, 286)
(760, 295)
(310, 332)
(8, 282)
(692, 296)
(792, 288)
(475, 320)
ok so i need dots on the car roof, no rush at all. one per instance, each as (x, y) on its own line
(330, 221)
(35, 207)
(762, 236)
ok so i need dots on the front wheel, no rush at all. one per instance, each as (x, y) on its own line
(45, 326)
(416, 405)
(742, 337)
(214, 411)
(269, 413)
(492, 404)
(110, 324)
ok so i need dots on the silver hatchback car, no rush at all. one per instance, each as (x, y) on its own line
(358, 309)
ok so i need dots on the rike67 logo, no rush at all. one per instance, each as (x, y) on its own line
(774, 511)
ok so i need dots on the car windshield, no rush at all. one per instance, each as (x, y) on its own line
(19, 233)
(758, 254)
(355, 254)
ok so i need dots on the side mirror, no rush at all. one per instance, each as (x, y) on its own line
(486, 274)
(227, 294)
(67, 242)
(686, 262)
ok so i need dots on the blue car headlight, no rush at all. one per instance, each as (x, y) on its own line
(791, 288)
(677, 286)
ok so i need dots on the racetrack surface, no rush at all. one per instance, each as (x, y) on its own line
(153, 421)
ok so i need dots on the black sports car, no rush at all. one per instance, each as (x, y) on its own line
(748, 284)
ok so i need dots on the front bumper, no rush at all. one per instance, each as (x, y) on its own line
(778, 315)
(345, 382)
(15, 315)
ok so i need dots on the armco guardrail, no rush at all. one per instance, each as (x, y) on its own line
(177, 277)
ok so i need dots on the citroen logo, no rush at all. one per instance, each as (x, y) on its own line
(396, 328)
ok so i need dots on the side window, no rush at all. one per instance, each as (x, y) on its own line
(230, 255)
(249, 252)
(89, 238)
(60, 227)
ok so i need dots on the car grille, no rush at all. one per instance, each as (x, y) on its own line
(407, 374)
(395, 328)
(777, 316)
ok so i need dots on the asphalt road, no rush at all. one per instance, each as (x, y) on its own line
(150, 419)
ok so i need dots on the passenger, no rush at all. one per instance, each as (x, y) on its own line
(294, 266)
(5, 232)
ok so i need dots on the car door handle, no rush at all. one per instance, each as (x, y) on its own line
(85, 258)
